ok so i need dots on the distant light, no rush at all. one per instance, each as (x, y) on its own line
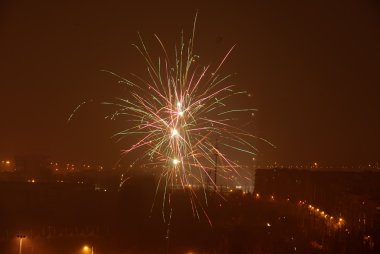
(175, 162)
(179, 110)
(268, 224)
(7, 162)
(86, 248)
(174, 132)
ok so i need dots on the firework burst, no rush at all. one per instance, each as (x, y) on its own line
(181, 120)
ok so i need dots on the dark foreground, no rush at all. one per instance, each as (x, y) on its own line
(62, 218)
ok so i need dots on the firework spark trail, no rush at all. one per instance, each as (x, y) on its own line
(77, 108)
(175, 114)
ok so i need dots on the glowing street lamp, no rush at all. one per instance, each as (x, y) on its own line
(87, 249)
(20, 237)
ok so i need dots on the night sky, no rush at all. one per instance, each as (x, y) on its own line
(312, 68)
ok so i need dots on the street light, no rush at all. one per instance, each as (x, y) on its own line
(88, 249)
(21, 237)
